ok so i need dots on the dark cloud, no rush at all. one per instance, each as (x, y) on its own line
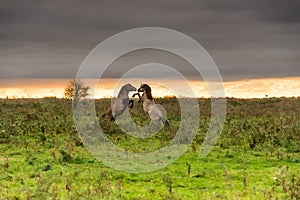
(247, 39)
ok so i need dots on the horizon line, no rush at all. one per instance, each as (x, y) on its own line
(156, 97)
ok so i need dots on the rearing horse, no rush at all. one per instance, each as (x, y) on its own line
(121, 103)
(149, 105)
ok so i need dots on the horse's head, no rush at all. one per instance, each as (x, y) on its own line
(125, 90)
(144, 88)
(129, 87)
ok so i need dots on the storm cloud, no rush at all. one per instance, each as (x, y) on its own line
(246, 39)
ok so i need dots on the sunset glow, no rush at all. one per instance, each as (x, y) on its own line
(251, 88)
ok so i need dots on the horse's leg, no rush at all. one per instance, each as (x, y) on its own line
(130, 103)
(165, 121)
(140, 98)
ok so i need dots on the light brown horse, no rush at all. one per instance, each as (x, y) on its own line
(121, 103)
(149, 105)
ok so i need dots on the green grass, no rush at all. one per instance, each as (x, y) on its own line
(256, 157)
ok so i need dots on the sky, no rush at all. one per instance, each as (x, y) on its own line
(254, 43)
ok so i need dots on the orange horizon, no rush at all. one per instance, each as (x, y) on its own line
(246, 88)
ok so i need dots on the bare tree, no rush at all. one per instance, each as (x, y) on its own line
(76, 90)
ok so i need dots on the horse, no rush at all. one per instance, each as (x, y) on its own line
(149, 105)
(120, 103)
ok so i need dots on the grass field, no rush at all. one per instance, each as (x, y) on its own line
(256, 157)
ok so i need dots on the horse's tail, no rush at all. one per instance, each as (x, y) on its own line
(108, 112)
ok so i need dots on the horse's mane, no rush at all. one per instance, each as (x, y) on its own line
(123, 92)
(148, 91)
